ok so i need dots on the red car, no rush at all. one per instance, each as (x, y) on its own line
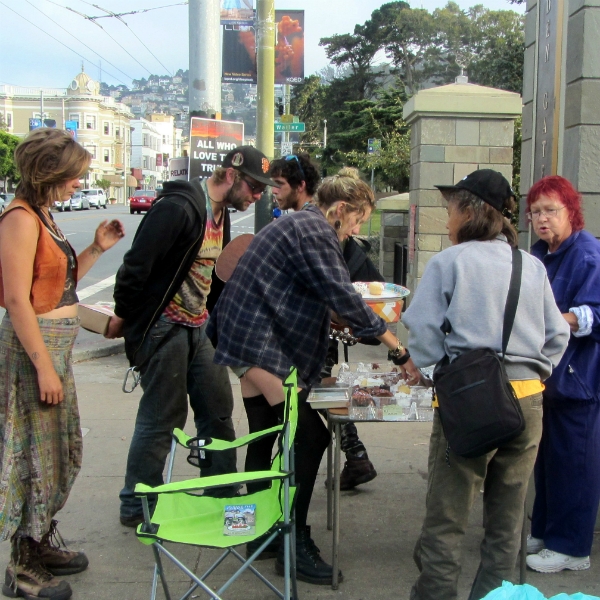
(141, 200)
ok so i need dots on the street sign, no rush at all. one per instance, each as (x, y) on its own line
(287, 118)
(373, 146)
(298, 127)
(287, 148)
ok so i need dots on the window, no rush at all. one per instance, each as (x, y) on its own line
(75, 117)
(145, 139)
(145, 162)
(106, 155)
(9, 120)
(106, 127)
(90, 122)
(92, 150)
(117, 132)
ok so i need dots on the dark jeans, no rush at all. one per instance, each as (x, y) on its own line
(311, 441)
(176, 366)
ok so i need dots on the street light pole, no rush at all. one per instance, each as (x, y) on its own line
(324, 134)
(265, 102)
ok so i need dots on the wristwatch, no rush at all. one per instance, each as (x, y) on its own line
(400, 355)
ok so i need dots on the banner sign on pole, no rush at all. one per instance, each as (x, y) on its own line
(239, 50)
(210, 141)
(240, 12)
(239, 54)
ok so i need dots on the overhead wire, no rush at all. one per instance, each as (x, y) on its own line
(57, 40)
(118, 17)
(78, 40)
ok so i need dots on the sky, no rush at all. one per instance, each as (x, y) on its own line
(46, 44)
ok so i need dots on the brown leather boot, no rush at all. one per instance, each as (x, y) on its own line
(56, 557)
(26, 576)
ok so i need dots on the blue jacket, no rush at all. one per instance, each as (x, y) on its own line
(574, 274)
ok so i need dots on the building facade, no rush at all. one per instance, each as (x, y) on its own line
(100, 124)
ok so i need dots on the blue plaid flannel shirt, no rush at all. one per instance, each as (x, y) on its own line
(274, 312)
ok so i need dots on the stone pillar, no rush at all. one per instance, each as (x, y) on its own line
(561, 98)
(455, 129)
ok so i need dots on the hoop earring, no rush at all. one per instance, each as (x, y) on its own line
(337, 225)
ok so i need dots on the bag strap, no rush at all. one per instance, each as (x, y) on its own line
(514, 290)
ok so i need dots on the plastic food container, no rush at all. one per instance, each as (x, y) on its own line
(388, 305)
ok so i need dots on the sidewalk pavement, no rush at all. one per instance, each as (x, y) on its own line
(380, 520)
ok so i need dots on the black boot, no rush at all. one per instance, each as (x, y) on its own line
(310, 567)
(269, 552)
(357, 469)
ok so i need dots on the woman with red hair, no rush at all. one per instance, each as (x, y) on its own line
(567, 470)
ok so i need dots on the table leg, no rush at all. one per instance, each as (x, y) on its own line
(329, 478)
(336, 506)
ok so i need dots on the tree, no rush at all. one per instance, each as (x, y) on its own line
(103, 184)
(8, 169)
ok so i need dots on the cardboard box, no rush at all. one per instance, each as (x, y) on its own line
(95, 317)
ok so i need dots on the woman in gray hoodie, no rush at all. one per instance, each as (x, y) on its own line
(459, 306)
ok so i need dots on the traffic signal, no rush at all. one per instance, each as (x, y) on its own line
(280, 109)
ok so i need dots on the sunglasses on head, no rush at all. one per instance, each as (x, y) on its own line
(294, 157)
(255, 188)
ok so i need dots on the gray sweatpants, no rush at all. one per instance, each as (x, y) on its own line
(451, 491)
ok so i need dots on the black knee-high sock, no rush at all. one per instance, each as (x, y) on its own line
(261, 415)
(312, 439)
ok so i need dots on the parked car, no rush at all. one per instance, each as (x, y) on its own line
(5, 200)
(61, 205)
(79, 201)
(141, 200)
(97, 198)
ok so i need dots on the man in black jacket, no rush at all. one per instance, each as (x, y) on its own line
(161, 308)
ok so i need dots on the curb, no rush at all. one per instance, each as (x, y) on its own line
(83, 354)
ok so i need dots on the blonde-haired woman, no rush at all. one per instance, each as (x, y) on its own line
(40, 435)
(275, 313)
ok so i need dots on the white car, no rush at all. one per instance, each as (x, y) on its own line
(96, 198)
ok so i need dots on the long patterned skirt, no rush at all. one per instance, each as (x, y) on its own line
(40, 444)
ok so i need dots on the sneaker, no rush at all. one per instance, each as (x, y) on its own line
(534, 545)
(131, 521)
(548, 561)
(56, 557)
(26, 576)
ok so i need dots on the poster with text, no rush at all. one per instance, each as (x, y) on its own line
(210, 141)
(289, 46)
(240, 12)
(239, 50)
(239, 54)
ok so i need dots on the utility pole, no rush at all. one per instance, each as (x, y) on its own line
(205, 56)
(265, 103)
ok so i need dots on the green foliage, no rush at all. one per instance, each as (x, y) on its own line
(8, 169)
(103, 184)
(362, 101)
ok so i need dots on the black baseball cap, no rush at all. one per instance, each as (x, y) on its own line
(251, 161)
(487, 184)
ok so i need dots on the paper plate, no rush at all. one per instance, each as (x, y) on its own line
(391, 291)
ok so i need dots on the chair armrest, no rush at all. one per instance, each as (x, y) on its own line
(201, 483)
(219, 445)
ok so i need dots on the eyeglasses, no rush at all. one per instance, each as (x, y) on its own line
(255, 188)
(551, 213)
(294, 157)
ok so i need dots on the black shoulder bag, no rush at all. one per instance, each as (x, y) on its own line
(478, 408)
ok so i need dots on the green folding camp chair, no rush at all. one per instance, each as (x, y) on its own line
(182, 516)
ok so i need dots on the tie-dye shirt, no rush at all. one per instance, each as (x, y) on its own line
(188, 306)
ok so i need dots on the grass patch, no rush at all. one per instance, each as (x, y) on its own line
(375, 221)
